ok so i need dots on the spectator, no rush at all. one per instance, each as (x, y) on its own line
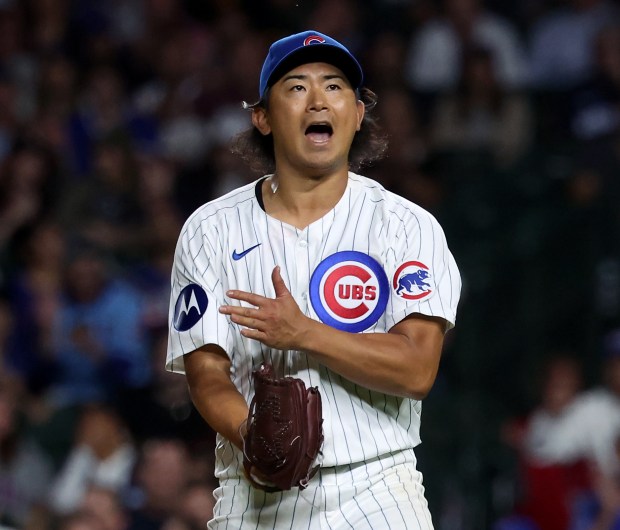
(160, 212)
(34, 288)
(547, 488)
(434, 58)
(562, 43)
(7, 118)
(163, 408)
(8, 373)
(588, 428)
(104, 209)
(600, 508)
(162, 475)
(385, 56)
(80, 521)
(341, 19)
(105, 504)
(28, 184)
(481, 115)
(100, 345)
(104, 111)
(25, 472)
(596, 104)
(406, 170)
(102, 455)
(19, 66)
(196, 508)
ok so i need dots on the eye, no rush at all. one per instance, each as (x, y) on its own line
(297, 88)
(333, 86)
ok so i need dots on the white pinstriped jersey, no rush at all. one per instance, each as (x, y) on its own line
(368, 263)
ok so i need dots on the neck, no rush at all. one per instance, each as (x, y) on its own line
(300, 201)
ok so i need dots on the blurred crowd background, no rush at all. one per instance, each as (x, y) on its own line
(115, 121)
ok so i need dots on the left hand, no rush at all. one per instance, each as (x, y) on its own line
(276, 322)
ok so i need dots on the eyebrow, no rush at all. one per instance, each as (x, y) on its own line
(326, 77)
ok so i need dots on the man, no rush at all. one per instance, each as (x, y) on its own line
(587, 428)
(331, 279)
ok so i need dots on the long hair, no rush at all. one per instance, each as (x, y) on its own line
(369, 143)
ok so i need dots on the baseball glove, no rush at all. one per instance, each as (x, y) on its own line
(284, 432)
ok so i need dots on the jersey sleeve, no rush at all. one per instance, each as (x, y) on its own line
(423, 274)
(196, 294)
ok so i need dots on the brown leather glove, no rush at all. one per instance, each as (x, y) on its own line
(284, 432)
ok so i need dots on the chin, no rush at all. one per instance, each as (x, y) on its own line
(325, 166)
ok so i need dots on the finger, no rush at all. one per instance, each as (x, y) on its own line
(278, 282)
(244, 296)
(247, 322)
(254, 334)
(249, 312)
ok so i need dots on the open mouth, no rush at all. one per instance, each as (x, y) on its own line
(319, 132)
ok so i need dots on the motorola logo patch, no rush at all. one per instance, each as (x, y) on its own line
(190, 307)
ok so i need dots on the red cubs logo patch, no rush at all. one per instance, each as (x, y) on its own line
(412, 281)
(349, 291)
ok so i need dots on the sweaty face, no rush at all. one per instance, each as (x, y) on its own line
(313, 114)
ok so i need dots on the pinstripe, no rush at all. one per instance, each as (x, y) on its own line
(258, 240)
(278, 509)
(313, 512)
(412, 504)
(357, 223)
(268, 234)
(294, 510)
(362, 512)
(357, 423)
(260, 259)
(379, 422)
(326, 238)
(241, 344)
(341, 504)
(242, 226)
(391, 494)
(245, 510)
(434, 247)
(346, 221)
(337, 407)
(365, 409)
(285, 269)
(372, 217)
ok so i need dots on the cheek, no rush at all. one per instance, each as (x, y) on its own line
(353, 118)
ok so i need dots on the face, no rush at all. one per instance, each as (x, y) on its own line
(313, 115)
(562, 384)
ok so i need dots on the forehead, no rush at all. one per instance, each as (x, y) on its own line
(319, 70)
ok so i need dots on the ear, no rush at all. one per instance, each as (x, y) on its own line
(260, 120)
(361, 111)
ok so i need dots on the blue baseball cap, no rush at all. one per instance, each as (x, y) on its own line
(307, 47)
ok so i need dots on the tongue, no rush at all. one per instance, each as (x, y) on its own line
(318, 137)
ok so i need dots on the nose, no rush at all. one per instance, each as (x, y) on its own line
(316, 100)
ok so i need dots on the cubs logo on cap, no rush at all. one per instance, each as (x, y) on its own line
(313, 38)
(306, 47)
(349, 291)
(190, 307)
(412, 281)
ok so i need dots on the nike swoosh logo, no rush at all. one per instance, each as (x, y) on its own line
(237, 256)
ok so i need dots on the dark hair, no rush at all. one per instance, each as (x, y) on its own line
(369, 143)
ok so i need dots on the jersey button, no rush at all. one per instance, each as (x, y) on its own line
(302, 243)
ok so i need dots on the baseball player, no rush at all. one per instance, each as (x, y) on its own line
(330, 278)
